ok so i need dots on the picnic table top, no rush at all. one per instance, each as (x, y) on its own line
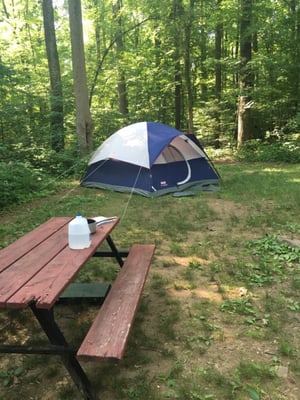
(40, 265)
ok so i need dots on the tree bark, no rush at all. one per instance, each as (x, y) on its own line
(294, 76)
(218, 75)
(56, 93)
(188, 66)
(244, 120)
(246, 76)
(121, 85)
(177, 16)
(203, 53)
(84, 124)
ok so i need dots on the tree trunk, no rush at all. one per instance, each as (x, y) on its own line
(83, 116)
(294, 76)
(244, 120)
(56, 94)
(188, 66)
(203, 52)
(121, 85)
(177, 16)
(246, 76)
(218, 75)
(177, 93)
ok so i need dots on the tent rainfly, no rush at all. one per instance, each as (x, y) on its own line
(151, 159)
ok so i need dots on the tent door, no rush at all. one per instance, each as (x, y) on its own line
(189, 171)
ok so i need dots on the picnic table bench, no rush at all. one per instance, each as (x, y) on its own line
(37, 268)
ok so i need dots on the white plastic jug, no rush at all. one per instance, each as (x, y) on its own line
(79, 234)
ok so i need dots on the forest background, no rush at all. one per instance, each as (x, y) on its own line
(227, 70)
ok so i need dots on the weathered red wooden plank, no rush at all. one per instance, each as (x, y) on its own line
(108, 335)
(46, 286)
(21, 271)
(22, 246)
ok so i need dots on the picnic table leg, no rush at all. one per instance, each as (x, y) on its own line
(56, 337)
(114, 250)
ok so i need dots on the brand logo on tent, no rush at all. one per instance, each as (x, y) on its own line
(163, 183)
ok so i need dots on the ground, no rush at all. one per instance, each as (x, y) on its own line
(199, 344)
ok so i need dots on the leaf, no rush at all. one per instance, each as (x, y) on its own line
(253, 394)
(6, 382)
(171, 383)
(18, 371)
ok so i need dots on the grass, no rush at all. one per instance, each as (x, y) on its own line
(220, 309)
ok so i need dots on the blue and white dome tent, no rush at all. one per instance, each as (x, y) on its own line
(151, 159)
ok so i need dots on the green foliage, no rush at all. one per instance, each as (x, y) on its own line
(58, 164)
(280, 151)
(155, 37)
(7, 377)
(254, 371)
(272, 262)
(239, 306)
(253, 394)
(274, 252)
(285, 347)
(28, 169)
(20, 182)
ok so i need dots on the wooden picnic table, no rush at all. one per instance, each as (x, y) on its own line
(36, 269)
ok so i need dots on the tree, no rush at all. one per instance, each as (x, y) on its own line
(294, 76)
(203, 51)
(188, 65)
(83, 115)
(121, 85)
(246, 76)
(56, 93)
(177, 14)
(218, 72)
